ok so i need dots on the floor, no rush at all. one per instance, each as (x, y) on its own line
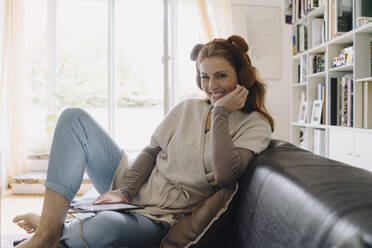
(11, 205)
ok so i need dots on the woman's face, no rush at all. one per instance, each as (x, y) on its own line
(218, 77)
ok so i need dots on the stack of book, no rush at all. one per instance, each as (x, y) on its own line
(299, 39)
(301, 7)
(341, 101)
(318, 31)
(318, 63)
(340, 17)
(347, 101)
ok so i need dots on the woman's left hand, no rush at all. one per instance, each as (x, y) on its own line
(235, 100)
(115, 196)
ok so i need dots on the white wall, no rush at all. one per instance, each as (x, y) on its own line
(278, 95)
(2, 123)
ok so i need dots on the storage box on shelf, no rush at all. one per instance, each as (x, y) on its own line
(338, 70)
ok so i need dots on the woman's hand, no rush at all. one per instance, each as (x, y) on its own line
(235, 100)
(115, 196)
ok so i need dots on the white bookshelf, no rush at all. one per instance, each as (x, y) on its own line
(350, 145)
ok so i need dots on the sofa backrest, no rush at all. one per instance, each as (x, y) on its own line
(290, 197)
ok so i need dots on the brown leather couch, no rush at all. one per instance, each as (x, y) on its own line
(290, 197)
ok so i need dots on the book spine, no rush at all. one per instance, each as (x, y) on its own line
(367, 105)
(324, 98)
(349, 103)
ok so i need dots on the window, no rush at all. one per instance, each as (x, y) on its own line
(105, 56)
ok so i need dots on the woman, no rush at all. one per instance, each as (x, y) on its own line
(201, 146)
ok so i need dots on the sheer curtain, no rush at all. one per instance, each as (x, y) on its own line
(197, 21)
(12, 90)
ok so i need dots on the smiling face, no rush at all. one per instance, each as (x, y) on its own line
(218, 77)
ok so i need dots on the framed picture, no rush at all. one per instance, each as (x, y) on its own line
(317, 112)
(302, 113)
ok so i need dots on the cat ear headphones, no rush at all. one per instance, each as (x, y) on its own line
(239, 48)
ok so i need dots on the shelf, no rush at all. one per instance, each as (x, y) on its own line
(319, 126)
(366, 28)
(363, 79)
(299, 85)
(342, 39)
(321, 74)
(298, 55)
(296, 124)
(318, 49)
(342, 68)
(317, 12)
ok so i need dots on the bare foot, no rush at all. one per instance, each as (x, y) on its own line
(35, 242)
(29, 222)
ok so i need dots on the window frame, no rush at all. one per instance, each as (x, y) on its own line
(167, 59)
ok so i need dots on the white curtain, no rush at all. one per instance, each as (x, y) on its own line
(12, 91)
(215, 18)
(198, 21)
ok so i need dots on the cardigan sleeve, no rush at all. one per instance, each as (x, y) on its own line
(139, 172)
(230, 156)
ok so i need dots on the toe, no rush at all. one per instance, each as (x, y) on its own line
(18, 218)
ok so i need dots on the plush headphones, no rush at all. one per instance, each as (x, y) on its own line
(239, 48)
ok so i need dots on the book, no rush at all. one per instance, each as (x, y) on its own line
(334, 102)
(367, 105)
(86, 205)
(318, 26)
(342, 16)
(303, 69)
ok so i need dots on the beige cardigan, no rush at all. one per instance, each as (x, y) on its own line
(178, 181)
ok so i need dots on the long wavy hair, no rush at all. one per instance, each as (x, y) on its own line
(234, 50)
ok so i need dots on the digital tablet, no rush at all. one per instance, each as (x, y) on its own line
(86, 205)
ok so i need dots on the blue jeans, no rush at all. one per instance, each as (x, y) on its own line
(80, 144)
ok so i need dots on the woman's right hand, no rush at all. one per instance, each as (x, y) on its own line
(115, 196)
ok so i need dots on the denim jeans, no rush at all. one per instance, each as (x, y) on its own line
(80, 144)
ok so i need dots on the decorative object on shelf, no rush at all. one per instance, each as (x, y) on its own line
(303, 138)
(302, 113)
(344, 58)
(317, 112)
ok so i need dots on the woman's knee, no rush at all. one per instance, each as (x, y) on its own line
(70, 114)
